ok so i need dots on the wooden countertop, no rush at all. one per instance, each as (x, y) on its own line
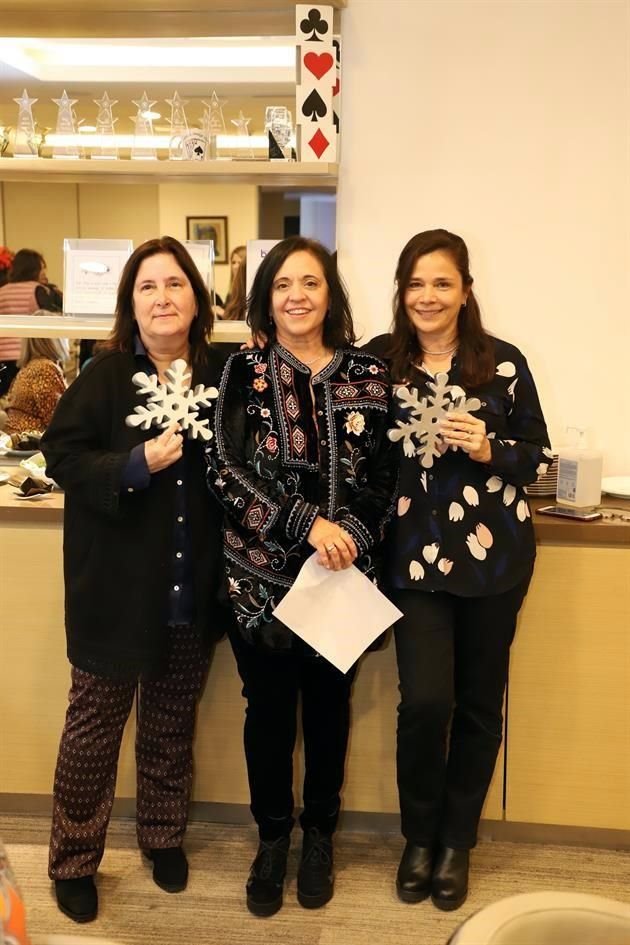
(564, 531)
(548, 530)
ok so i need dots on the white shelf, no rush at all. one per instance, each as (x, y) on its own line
(273, 173)
(70, 326)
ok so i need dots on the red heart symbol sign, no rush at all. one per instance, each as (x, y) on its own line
(318, 63)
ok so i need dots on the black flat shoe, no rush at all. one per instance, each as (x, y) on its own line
(413, 881)
(449, 888)
(77, 898)
(315, 881)
(265, 885)
(170, 868)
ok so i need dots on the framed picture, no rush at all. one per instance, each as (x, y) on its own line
(210, 228)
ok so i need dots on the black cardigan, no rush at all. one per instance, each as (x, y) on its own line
(118, 545)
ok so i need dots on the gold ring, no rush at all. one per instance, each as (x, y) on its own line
(330, 547)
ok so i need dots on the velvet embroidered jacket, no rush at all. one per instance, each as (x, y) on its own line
(285, 451)
(462, 526)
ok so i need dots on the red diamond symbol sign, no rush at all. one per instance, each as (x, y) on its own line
(319, 142)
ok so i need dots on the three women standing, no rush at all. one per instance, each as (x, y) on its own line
(461, 553)
(301, 463)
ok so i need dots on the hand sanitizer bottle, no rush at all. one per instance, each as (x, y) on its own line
(579, 474)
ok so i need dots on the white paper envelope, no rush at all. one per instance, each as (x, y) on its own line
(338, 613)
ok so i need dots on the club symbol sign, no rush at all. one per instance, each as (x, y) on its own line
(315, 24)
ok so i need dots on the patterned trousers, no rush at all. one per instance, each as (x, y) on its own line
(85, 776)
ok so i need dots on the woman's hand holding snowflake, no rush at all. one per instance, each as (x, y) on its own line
(468, 433)
(164, 450)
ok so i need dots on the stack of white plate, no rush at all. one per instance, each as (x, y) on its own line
(546, 483)
(617, 486)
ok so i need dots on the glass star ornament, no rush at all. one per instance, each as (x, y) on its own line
(105, 122)
(242, 131)
(213, 123)
(65, 126)
(24, 145)
(143, 130)
(179, 126)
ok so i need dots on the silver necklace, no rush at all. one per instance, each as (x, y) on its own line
(447, 351)
(314, 360)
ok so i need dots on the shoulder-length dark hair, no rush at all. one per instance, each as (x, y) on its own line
(475, 353)
(27, 266)
(121, 338)
(338, 325)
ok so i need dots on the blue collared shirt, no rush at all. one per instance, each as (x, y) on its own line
(135, 477)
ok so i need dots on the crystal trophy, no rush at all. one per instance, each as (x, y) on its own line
(213, 124)
(242, 131)
(179, 127)
(65, 127)
(279, 128)
(39, 138)
(194, 145)
(25, 146)
(5, 134)
(143, 130)
(105, 129)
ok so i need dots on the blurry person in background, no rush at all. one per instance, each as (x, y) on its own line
(238, 257)
(38, 385)
(236, 307)
(26, 290)
(6, 261)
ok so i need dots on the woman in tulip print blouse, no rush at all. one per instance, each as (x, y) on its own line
(461, 552)
(302, 463)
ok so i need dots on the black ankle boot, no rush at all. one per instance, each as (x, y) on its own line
(170, 868)
(413, 882)
(315, 874)
(266, 877)
(450, 879)
(77, 898)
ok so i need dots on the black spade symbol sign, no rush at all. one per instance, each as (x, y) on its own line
(314, 106)
(314, 23)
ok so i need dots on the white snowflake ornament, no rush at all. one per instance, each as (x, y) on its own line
(172, 402)
(420, 434)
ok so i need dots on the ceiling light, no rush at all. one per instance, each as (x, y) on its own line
(164, 60)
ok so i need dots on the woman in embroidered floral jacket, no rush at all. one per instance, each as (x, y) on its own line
(300, 461)
(462, 552)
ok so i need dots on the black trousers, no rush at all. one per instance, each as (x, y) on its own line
(85, 776)
(272, 682)
(453, 657)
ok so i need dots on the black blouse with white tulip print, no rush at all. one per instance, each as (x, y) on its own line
(464, 526)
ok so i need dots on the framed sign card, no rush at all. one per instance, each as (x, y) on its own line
(202, 229)
(91, 272)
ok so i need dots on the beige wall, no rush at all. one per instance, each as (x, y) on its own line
(239, 202)
(119, 211)
(509, 124)
(40, 217)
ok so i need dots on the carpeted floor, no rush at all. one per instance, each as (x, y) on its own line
(364, 911)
